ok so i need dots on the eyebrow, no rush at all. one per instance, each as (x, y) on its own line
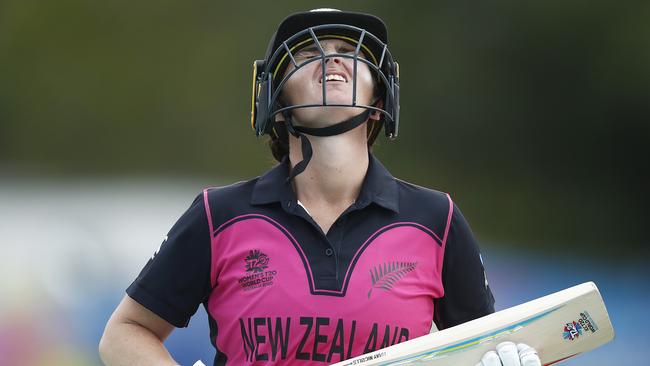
(309, 48)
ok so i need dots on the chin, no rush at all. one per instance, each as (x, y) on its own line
(325, 116)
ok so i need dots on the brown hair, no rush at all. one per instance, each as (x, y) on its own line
(279, 148)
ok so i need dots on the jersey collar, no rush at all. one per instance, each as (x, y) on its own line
(379, 186)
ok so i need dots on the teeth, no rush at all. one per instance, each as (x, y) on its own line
(330, 77)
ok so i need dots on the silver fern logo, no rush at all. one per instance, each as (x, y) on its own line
(385, 276)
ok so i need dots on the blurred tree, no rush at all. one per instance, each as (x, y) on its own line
(534, 116)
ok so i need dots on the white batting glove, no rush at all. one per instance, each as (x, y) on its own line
(509, 354)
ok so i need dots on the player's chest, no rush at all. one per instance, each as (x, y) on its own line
(372, 290)
(385, 266)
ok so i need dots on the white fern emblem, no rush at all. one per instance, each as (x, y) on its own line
(385, 276)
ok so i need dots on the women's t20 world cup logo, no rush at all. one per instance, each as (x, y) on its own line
(257, 275)
(256, 261)
(584, 325)
(572, 330)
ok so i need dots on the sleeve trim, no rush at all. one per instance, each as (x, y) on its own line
(206, 204)
(443, 244)
(158, 307)
(449, 215)
(208, 213)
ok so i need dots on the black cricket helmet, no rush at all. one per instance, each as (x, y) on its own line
(367, 32)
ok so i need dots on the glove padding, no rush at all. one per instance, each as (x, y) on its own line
(509, 354)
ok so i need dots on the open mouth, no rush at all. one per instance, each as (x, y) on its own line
(333, 78)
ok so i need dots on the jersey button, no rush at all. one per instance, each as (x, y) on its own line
(329, 252)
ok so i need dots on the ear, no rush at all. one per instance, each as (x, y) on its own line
(376, 115)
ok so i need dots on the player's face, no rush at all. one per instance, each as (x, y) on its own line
(306, 85)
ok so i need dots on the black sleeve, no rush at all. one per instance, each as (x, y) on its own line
(467, 293)
(176, 280)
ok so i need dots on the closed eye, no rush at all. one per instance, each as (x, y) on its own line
(349, 50)
(312, 51)
(307, 53)
(346, 49)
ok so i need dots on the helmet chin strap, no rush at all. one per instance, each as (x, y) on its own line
(336, 129)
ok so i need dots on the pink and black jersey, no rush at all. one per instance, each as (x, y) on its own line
(278, 290)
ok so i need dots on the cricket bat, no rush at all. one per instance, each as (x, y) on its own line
(559, 326)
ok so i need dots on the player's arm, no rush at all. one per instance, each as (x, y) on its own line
(134, 335)
(166, 293)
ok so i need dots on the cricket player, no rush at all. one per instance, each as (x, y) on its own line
(327, 255)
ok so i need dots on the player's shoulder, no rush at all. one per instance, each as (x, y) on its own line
(237, 188)
(429, 207)
(415, 196)
(231, 194)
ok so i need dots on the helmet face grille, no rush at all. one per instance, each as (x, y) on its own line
(269, 78)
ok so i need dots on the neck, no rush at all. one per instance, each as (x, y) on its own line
(335, 174)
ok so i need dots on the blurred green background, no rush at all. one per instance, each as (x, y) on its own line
(535, 116)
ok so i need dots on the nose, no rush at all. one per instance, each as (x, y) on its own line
(336, 59)
(330, 49)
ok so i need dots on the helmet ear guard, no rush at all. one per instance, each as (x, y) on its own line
(260, 98)
(391, 125)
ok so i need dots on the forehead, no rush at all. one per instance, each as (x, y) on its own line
(334, 42)
(327, 42)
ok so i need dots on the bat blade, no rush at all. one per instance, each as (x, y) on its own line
(559, 326)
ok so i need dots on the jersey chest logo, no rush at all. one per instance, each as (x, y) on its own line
(388, 274)
(256, 261)
(256, 273)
